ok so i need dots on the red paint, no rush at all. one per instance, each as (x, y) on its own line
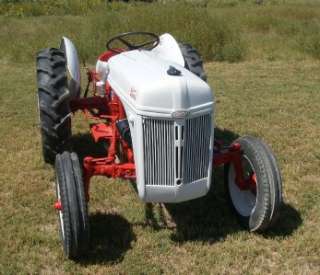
(57, 205)
(104, 112)
(108, 54)
(252, 183)
(231, 155)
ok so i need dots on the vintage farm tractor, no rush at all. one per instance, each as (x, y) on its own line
(154, 112)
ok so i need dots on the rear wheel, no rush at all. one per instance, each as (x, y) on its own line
(256, 206)
(53, 102)
(192, 60)
(72, 206)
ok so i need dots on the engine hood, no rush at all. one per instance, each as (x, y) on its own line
(141, 80)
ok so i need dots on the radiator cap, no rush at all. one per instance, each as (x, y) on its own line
(173, 71)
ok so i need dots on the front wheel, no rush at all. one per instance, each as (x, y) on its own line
(71, 205)
(256, 206)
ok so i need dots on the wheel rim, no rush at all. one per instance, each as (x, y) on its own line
(244, 201)
(60, 212)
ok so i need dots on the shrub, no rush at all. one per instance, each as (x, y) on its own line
(214, 38)
(227, 43)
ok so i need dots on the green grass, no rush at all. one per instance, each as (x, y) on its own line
(215, 38)
(273, 94)
(221, 32)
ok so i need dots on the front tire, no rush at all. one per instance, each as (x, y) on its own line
(73, 213)
(256, 207)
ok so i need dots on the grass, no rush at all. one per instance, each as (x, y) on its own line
(220, 30)
(215, 38)
(272, 94)
(277, 101)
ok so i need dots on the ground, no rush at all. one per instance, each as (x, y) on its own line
(276, 101)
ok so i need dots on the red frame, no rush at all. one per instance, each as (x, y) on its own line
(106, 111)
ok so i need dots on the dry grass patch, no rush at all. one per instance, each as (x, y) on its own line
(277, 101)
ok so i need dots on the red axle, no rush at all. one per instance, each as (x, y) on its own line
(233, 155)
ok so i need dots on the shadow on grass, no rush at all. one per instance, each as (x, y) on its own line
(84, 145)
(211, 219)
(289, 221)
(111, 234)
(225, 135)
(111, 237)
(207, 219)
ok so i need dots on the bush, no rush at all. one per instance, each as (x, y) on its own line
(216, 39)
(227, 44)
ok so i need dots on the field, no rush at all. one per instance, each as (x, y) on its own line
(268, 87)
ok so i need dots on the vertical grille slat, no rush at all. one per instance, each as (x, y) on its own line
(166, 162)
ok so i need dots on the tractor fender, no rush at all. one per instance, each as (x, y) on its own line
(169, 49)
(73, 67)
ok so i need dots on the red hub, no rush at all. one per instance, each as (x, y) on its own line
(57, 205)
(233, 155)
(251, 183)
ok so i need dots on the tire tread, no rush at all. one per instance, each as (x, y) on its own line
(193, 61)
(55, 121)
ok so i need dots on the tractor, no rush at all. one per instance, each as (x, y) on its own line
(153, 110)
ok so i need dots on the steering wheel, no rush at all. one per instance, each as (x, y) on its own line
(152, 41)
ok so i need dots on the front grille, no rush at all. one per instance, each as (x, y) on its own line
(196, 153)
(158, 151)
(175, 152)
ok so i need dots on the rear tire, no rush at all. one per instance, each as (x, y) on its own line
(256, 210)
(53, 102)
(73, 216)
(193, 60)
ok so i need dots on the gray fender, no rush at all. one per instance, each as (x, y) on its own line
(73, 67)
(169, 49)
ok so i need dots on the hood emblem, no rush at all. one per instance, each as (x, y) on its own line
(180, 114)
